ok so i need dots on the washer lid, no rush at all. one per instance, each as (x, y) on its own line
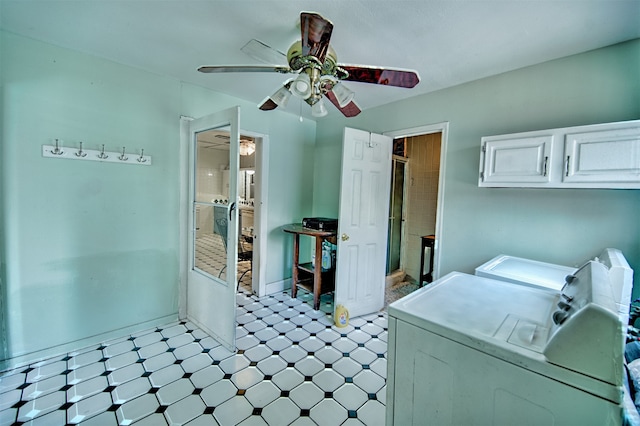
(473, 305)
(525, 272)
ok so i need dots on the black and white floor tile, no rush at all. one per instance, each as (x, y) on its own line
(293, 366)
(211, 255)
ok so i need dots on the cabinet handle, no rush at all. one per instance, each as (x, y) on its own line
(566, 167)
(546, 160)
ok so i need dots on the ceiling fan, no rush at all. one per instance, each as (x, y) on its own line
(318, 71)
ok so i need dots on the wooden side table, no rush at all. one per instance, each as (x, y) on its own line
(310, 276)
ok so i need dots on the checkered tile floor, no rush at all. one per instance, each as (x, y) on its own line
(211, 257)
(292, 367)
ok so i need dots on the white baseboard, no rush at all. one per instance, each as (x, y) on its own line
(277, 286)
(59, 350)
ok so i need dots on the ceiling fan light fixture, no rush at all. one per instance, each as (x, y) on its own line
(344, 95)
(301, 86)
(316, 70)
(246, 147)
(318, 109)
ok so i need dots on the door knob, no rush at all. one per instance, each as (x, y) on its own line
(345, 237)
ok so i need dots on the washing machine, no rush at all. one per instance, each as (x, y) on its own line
(533, 273)
(469, 350)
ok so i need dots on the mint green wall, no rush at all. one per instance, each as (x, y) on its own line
(90, 247)
(560, 226)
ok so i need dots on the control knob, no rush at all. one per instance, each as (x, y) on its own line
(560, 316)
(567, 297)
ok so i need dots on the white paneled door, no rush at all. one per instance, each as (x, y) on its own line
(363, 221)
(213, 224)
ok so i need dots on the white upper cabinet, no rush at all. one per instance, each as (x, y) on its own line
(516, 159)
(594, 156)
(603, 156)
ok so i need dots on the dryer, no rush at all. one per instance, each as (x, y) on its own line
(533, 273)
(527, 272)
(472, 350)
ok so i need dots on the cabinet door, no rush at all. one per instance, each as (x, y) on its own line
(603, 156)
(516, 161)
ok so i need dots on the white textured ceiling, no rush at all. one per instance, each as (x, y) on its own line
(447, 42)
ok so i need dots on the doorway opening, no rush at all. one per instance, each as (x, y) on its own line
(415, 208)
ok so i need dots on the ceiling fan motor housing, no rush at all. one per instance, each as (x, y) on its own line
(299, 62)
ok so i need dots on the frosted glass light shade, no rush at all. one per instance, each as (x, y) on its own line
(318, 109)
(281, 97)
(344, 95)
(301, 86)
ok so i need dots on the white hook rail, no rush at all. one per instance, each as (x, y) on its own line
(79, 153)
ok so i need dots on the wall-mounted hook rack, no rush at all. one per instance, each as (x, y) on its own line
(56, 151)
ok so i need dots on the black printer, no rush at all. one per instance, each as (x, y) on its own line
(320, 223)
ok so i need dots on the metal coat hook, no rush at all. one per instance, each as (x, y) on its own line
(102, 155)
(57, 150)
(80, 153)
(122, 157)
(141, 159)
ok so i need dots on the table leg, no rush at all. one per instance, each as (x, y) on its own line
(317, 274)
(294, 271)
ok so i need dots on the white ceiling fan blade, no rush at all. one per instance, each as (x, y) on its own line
(263, 53)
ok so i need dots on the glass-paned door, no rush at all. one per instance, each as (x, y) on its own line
(213, 240)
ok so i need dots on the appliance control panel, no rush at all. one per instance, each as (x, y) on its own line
(586, 333)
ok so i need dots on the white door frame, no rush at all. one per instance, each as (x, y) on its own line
(260, 241)
(425, 130)
(260, 252)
